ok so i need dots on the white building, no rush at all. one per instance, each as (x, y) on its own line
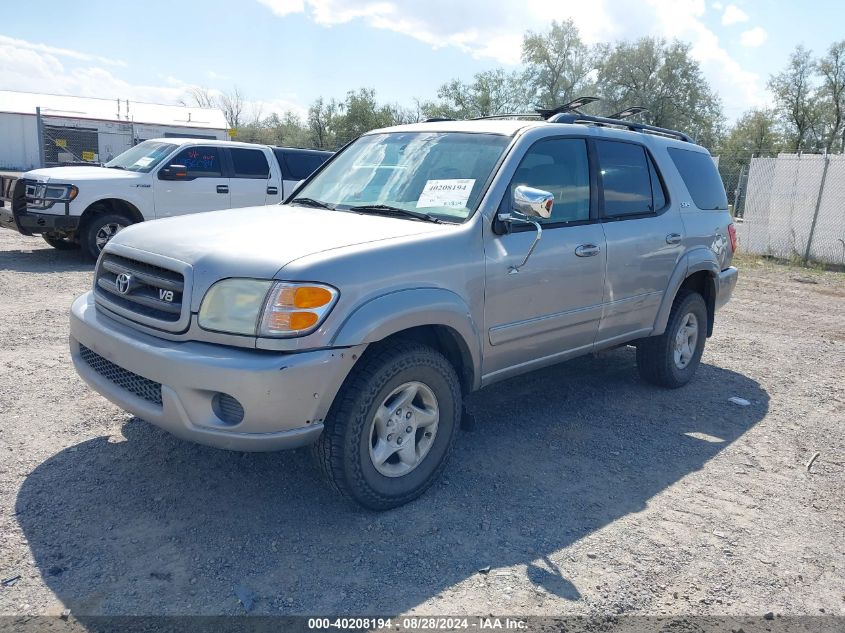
(77, 130)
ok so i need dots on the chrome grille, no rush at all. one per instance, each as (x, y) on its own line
(144, 388)
(140, 289)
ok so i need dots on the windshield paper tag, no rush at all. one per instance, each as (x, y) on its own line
(144, 161)
(452, 193)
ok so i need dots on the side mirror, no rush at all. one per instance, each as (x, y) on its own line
(173, 172)
(533, 203)
(528, 204)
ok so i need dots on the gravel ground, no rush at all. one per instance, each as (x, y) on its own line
(581, 490)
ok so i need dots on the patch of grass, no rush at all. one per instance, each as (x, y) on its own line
(795, 263)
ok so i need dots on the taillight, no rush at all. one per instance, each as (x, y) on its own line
(732, 235)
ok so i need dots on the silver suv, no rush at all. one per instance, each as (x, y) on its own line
(420, 263)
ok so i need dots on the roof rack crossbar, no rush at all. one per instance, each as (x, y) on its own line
(571, 106)
(506, 115)
(627, 113)
(634, 127)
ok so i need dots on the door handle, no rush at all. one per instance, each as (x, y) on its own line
(222, 188)
(272, 191)
(587, 250)
(673, 238)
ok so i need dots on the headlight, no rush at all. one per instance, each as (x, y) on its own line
(265, 308)
(234, 305)
(46, 195)
(294, 309)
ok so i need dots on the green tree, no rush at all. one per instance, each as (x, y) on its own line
(795, 97)
(321, 117)
(360, 113)
(490, 92)
(756, 133)
(558, 65)
(831, 97)
(663, 77)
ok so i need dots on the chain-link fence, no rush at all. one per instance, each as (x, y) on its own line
(793, 207)
(66, 141)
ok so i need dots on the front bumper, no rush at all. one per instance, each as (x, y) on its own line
(727, 283)
(285, 397)
(31, 222)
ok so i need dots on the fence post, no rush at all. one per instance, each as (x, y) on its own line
(816, 212)
(39, 126)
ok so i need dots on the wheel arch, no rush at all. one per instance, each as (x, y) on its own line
(437, 317)
(113, 205)
(698, 271)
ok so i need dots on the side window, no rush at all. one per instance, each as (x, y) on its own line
(201, 162)
(561, 167)
(626, 179)
(701, 177)
(249, 163)
(300, 165)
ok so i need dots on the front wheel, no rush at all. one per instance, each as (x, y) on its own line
(670, 360)
(392, 426)
(99, 230)
(59, 242)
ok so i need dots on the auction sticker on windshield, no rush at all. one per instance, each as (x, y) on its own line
(453, 192)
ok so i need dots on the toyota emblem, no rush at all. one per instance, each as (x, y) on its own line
(123, 283)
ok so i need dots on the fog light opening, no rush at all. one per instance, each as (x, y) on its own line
(227, 408)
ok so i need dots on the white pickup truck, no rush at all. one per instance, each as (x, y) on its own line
(84, 206)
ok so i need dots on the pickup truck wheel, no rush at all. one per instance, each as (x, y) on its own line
(670, 360)
(99, 230)
(60, 243)
(392, 426)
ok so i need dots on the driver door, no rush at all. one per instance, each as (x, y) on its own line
(204, 188)
(549, 310)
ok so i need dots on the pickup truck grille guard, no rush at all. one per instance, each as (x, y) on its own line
(19, 194)
(142, 292)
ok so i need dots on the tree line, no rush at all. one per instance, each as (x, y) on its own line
(557, 66)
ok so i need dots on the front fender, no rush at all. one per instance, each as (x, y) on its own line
(693, 261)
(397, 311)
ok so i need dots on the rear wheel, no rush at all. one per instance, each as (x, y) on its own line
(60, 242)
(99, 229)
(392, 426)
(670, 360)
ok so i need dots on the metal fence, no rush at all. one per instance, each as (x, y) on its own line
(67, 141)
(793, 207)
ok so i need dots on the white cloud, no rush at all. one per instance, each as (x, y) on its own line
(6, 41)
(32, 67)
(733, 15)
(753, 37)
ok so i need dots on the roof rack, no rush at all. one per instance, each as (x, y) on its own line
(627, 113)
(611, 122)
(572, 106)
(437, 119)
(506, 115)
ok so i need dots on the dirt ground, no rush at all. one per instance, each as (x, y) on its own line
(581, 490)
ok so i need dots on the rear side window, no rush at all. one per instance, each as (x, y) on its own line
(249, 163)
(701, 178)
(300, 165)
(630, 184)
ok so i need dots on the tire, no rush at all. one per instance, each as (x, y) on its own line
(659, 360)
(354, 441)
(99, 229)
(60, 243)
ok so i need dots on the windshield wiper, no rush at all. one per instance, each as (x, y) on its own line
(311, 202)
(114, 167)
(386, 209)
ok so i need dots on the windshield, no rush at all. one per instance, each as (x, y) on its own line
(436, 174)
(143, 157)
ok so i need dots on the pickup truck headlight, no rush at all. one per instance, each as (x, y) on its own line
(45, 195)
(265, 308)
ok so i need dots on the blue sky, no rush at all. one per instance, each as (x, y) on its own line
(284, 53)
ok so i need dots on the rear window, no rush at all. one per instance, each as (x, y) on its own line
(249, 163)
(701, 178)
(300, 165)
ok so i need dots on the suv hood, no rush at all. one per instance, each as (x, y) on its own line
(74, 175)
(257, 241)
